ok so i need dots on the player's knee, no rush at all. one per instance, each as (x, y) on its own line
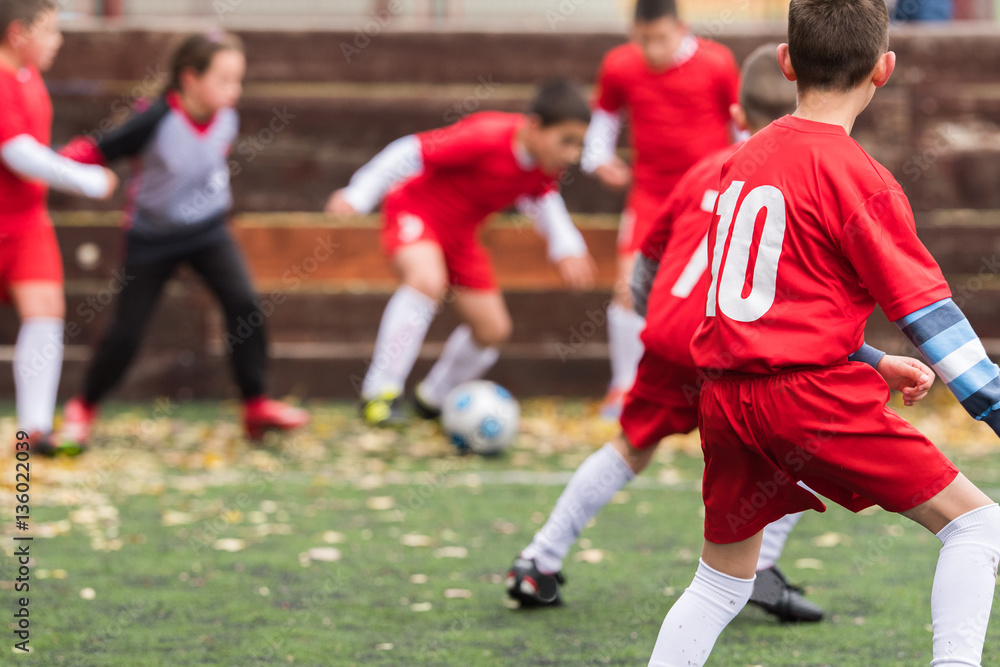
(430, 284)
(495, 332)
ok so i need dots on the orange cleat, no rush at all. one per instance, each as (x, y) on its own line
(261, 415)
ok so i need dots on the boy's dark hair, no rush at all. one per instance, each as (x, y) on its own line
(25, 11)
(559, 101)
(835, 44)
(196, 52)
(647, 11)
(765, 94)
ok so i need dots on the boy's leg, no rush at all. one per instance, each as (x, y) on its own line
(407, 318)
(775, 536)
(605, 472)
(967, 522)
(38, 354)
(624, 330)
(720, 589)
(139, 295)
(471, 349)
(656, 407)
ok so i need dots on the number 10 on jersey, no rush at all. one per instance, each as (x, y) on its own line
(728, 281)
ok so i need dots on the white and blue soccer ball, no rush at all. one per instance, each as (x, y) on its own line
(481, 417)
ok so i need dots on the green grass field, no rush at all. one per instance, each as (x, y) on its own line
(174, 543)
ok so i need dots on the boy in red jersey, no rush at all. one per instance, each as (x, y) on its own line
(441, 187)
(670, 284)
(809, 235)
(675, 90)
(30, 265)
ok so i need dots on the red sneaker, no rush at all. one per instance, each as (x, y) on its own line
(263, 414)
(78, 420)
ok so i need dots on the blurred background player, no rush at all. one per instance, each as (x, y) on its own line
(675, 90)
(177, 215)
(781, 405)
(441, 187)
(31, 274)
(672, 277)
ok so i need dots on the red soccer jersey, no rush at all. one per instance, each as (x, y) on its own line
(810, 232)
(470, 171)
(679, 240)
(25, 108)
(677, 116)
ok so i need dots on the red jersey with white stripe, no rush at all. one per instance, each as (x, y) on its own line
(471, 170)
(810, 232)
(676, 116)
(679, 240)
(25, 109)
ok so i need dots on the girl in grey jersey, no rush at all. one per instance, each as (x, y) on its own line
(179, 197)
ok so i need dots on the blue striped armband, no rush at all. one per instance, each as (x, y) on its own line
(944, 336)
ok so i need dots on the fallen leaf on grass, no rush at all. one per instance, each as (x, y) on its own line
(809, 564)
(325, 554)
(452, 552)
(590, 556)
(827, 540)
(457, 594)
(414, 540)
(229, 544)
(381, 503)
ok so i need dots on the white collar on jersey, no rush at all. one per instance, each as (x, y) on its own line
(686, 51)
(523, 157)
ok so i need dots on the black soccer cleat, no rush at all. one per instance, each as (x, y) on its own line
(49, 446)
(773, 594)
(424, 410)
(528, 585)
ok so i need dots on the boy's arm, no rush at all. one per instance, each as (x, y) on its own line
(599, 156)
(567, 249)
(601, 140)
(400, 160)
(881, 242)
(33, 161)
(946, 339)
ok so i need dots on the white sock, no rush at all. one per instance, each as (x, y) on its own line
(698, 618)
(624, 328)
(964, 584)
(400, 337)
(461, 361)
(775, 535)
(593, 485)
(38, 359)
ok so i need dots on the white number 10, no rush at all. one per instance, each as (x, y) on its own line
(728, 286)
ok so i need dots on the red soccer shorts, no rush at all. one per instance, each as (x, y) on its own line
(469, 264)
(827, 427)
(28, 257)
(640, 214)
(662, 402)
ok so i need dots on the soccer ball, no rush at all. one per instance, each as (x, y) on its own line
(480, 417)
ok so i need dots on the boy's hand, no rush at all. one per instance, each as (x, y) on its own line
(339, 206)
(615, 175)
(913, 378)
(579, 273)
(113, 183)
